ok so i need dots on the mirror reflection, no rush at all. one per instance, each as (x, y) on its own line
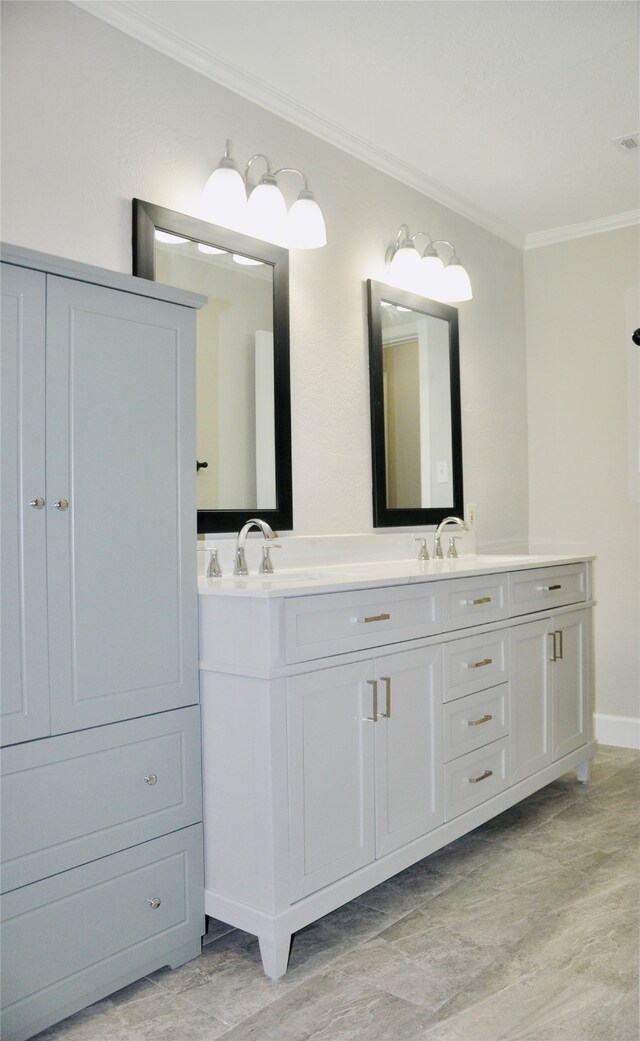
(415, 402)
(242, 378)
(234, 374)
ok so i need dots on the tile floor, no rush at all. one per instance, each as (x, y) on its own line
(524, 930)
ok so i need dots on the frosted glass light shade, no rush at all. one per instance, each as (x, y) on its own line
(404, 269)
(456, 284)
(247, 261)
(224, 199)
(267, 212)
(166, 236)
(305, 223)
(204, 248)
(431, 274)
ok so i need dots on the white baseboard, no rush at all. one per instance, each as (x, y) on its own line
(622, 731)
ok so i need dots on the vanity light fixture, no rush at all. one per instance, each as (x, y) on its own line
(264, 213)
(426, 273)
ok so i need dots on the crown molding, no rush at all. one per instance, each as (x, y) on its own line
(581, 231)
(151, 32)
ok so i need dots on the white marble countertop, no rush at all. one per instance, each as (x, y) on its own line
(301, 580)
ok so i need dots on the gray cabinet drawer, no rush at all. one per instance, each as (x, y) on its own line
(70, 799)
(333, 623)
(76, 936)
(544, 588)
(475, 663)
(474, 601)
(475, 777)
(475, 721)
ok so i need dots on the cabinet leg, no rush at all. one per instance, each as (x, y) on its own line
(275, 955)
(583, 771)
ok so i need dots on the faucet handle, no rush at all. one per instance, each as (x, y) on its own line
(452, 552)
(213, 567)
(423, 553)
(266, 564)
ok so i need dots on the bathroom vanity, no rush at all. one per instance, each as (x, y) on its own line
(360, 717)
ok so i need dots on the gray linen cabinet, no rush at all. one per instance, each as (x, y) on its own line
(101, 785)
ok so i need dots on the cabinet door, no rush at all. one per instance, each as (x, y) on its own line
(530, 652)
(25, 679)
(330, 758)
(120, 437)
(408, 742)
(571, 685)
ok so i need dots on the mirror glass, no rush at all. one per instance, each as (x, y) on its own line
(415, 408)
(242, 356)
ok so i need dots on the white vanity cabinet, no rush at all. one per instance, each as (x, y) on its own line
(353, 728)
(550, 681)
(101, 797)
(364, 753)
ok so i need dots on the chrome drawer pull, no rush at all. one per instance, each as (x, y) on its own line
(482, 777)
(374, 717)
(549, 589)
(151, 778)
(61, 505)
(154, 902)
(375, 618)
(476, 722)
(480, 600)
(37, 504)
(558, 648)
(478, 664)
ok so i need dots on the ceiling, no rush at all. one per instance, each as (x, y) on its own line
(504, 110)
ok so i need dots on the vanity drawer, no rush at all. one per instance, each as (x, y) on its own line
(475, 777)
(474, 601)
(475, 663)
(70, 799)
(111, 927)
(547, 587)
(334, 623)
(475, 721)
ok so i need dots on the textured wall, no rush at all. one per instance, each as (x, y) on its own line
(92, 118)
(583, 302)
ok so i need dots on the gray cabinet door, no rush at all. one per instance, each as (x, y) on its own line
(25, 679)
(121, 498)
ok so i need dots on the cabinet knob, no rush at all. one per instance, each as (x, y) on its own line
(154, 902)
(37, 504)
(151, 778)
(61, 505)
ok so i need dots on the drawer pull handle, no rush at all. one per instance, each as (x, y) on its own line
(61, 505)
(374, 717)
(384, 617)
(37, 504)
(151, 778)
(549, 589)
(479, 600)
(558, 646)
(476, 722)
(482, 777)
(478, 664)
(154, 902)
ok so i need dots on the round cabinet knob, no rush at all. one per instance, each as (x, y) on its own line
(151, 778)
(61, 505)
(154, 902)
(37, 504)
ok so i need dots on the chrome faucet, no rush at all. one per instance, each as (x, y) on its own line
(240, 561)
(437, 548)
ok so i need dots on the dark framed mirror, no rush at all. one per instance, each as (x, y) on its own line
(243, 410)
(416, 433)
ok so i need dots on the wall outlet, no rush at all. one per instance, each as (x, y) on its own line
(472, 511)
